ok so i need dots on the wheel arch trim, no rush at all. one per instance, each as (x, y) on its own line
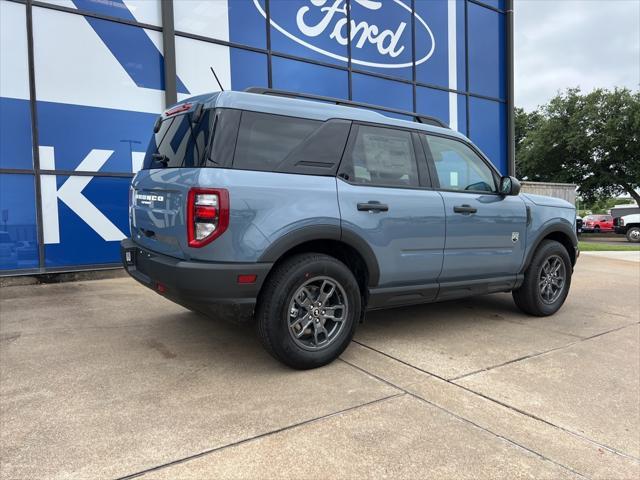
(297, 237)
(560, 228)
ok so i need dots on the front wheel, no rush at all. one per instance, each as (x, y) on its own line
(633, 234)
(308, 311)
(546, 280)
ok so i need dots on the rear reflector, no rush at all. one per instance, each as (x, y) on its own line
(161, 288)
(247, 278)
(207, 215)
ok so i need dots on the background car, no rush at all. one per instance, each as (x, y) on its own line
(598, 223)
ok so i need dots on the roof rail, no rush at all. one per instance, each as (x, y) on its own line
(417, 117)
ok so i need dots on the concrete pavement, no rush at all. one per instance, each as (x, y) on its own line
(105, 379)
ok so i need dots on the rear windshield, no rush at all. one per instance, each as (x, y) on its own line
(179, 142)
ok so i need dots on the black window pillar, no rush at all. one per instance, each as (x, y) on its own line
(511, 145)
(169, 53)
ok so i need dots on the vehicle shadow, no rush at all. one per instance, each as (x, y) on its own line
(453, 312)
(219, 344)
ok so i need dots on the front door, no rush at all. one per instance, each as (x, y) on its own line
(485, 238)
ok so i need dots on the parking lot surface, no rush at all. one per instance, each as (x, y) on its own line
(106, 379)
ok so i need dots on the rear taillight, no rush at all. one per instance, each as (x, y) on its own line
(621, 222)
(207, 215)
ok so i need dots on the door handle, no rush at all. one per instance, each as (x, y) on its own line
(373, 206)
(464, 209)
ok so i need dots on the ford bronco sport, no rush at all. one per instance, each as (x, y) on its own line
(301, 215)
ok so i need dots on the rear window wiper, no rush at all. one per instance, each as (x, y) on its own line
(160, 158)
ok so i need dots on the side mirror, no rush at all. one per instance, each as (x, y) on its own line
(509, 186)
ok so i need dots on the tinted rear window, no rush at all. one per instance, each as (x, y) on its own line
(265, 140)
(179, 142)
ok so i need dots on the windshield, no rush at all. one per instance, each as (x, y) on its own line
(180, 143)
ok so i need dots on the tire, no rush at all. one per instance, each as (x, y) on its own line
(533, 297)
(633, 234)
(596, 229)
(295, 286)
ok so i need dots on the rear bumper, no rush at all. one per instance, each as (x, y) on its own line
(210, 288)
(621, 230)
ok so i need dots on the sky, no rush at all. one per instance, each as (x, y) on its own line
(574, 43)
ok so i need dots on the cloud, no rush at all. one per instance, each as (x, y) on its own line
(571, 43)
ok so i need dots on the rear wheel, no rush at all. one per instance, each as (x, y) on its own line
(308, 311)
(633, 234)
(546, 280)
(596, 229)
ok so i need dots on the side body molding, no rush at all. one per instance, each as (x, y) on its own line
(319, 233)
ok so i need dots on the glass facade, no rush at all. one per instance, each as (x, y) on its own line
(82, 82)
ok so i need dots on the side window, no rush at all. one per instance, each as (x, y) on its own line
(265, 140)
(459, 167)
(381, 156)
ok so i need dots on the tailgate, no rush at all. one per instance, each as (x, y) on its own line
(159, 207)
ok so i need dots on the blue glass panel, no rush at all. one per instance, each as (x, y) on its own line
(15, 134)
(434, 70)
(18, 237)
(248, 69)
(494, 3)
(433, 102)
(462, 114)
(488, 128)
(436, 103)
(305, 77)
(312, 37)
(486, 52)
(246, 25)
(379, 91)
(74, 131)
(381, 37)
(79, 243)
(461, 45)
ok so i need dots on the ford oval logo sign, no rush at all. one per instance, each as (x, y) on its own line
(321, 26)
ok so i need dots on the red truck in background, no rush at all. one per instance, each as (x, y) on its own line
(597, 223)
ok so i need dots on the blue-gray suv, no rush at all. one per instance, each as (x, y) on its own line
(301, 215)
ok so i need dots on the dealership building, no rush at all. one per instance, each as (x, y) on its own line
(83, 81)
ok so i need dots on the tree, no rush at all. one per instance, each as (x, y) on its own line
(524, 123)
(592, 140)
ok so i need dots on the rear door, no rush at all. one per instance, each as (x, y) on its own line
(383, 200)
(485, 231)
